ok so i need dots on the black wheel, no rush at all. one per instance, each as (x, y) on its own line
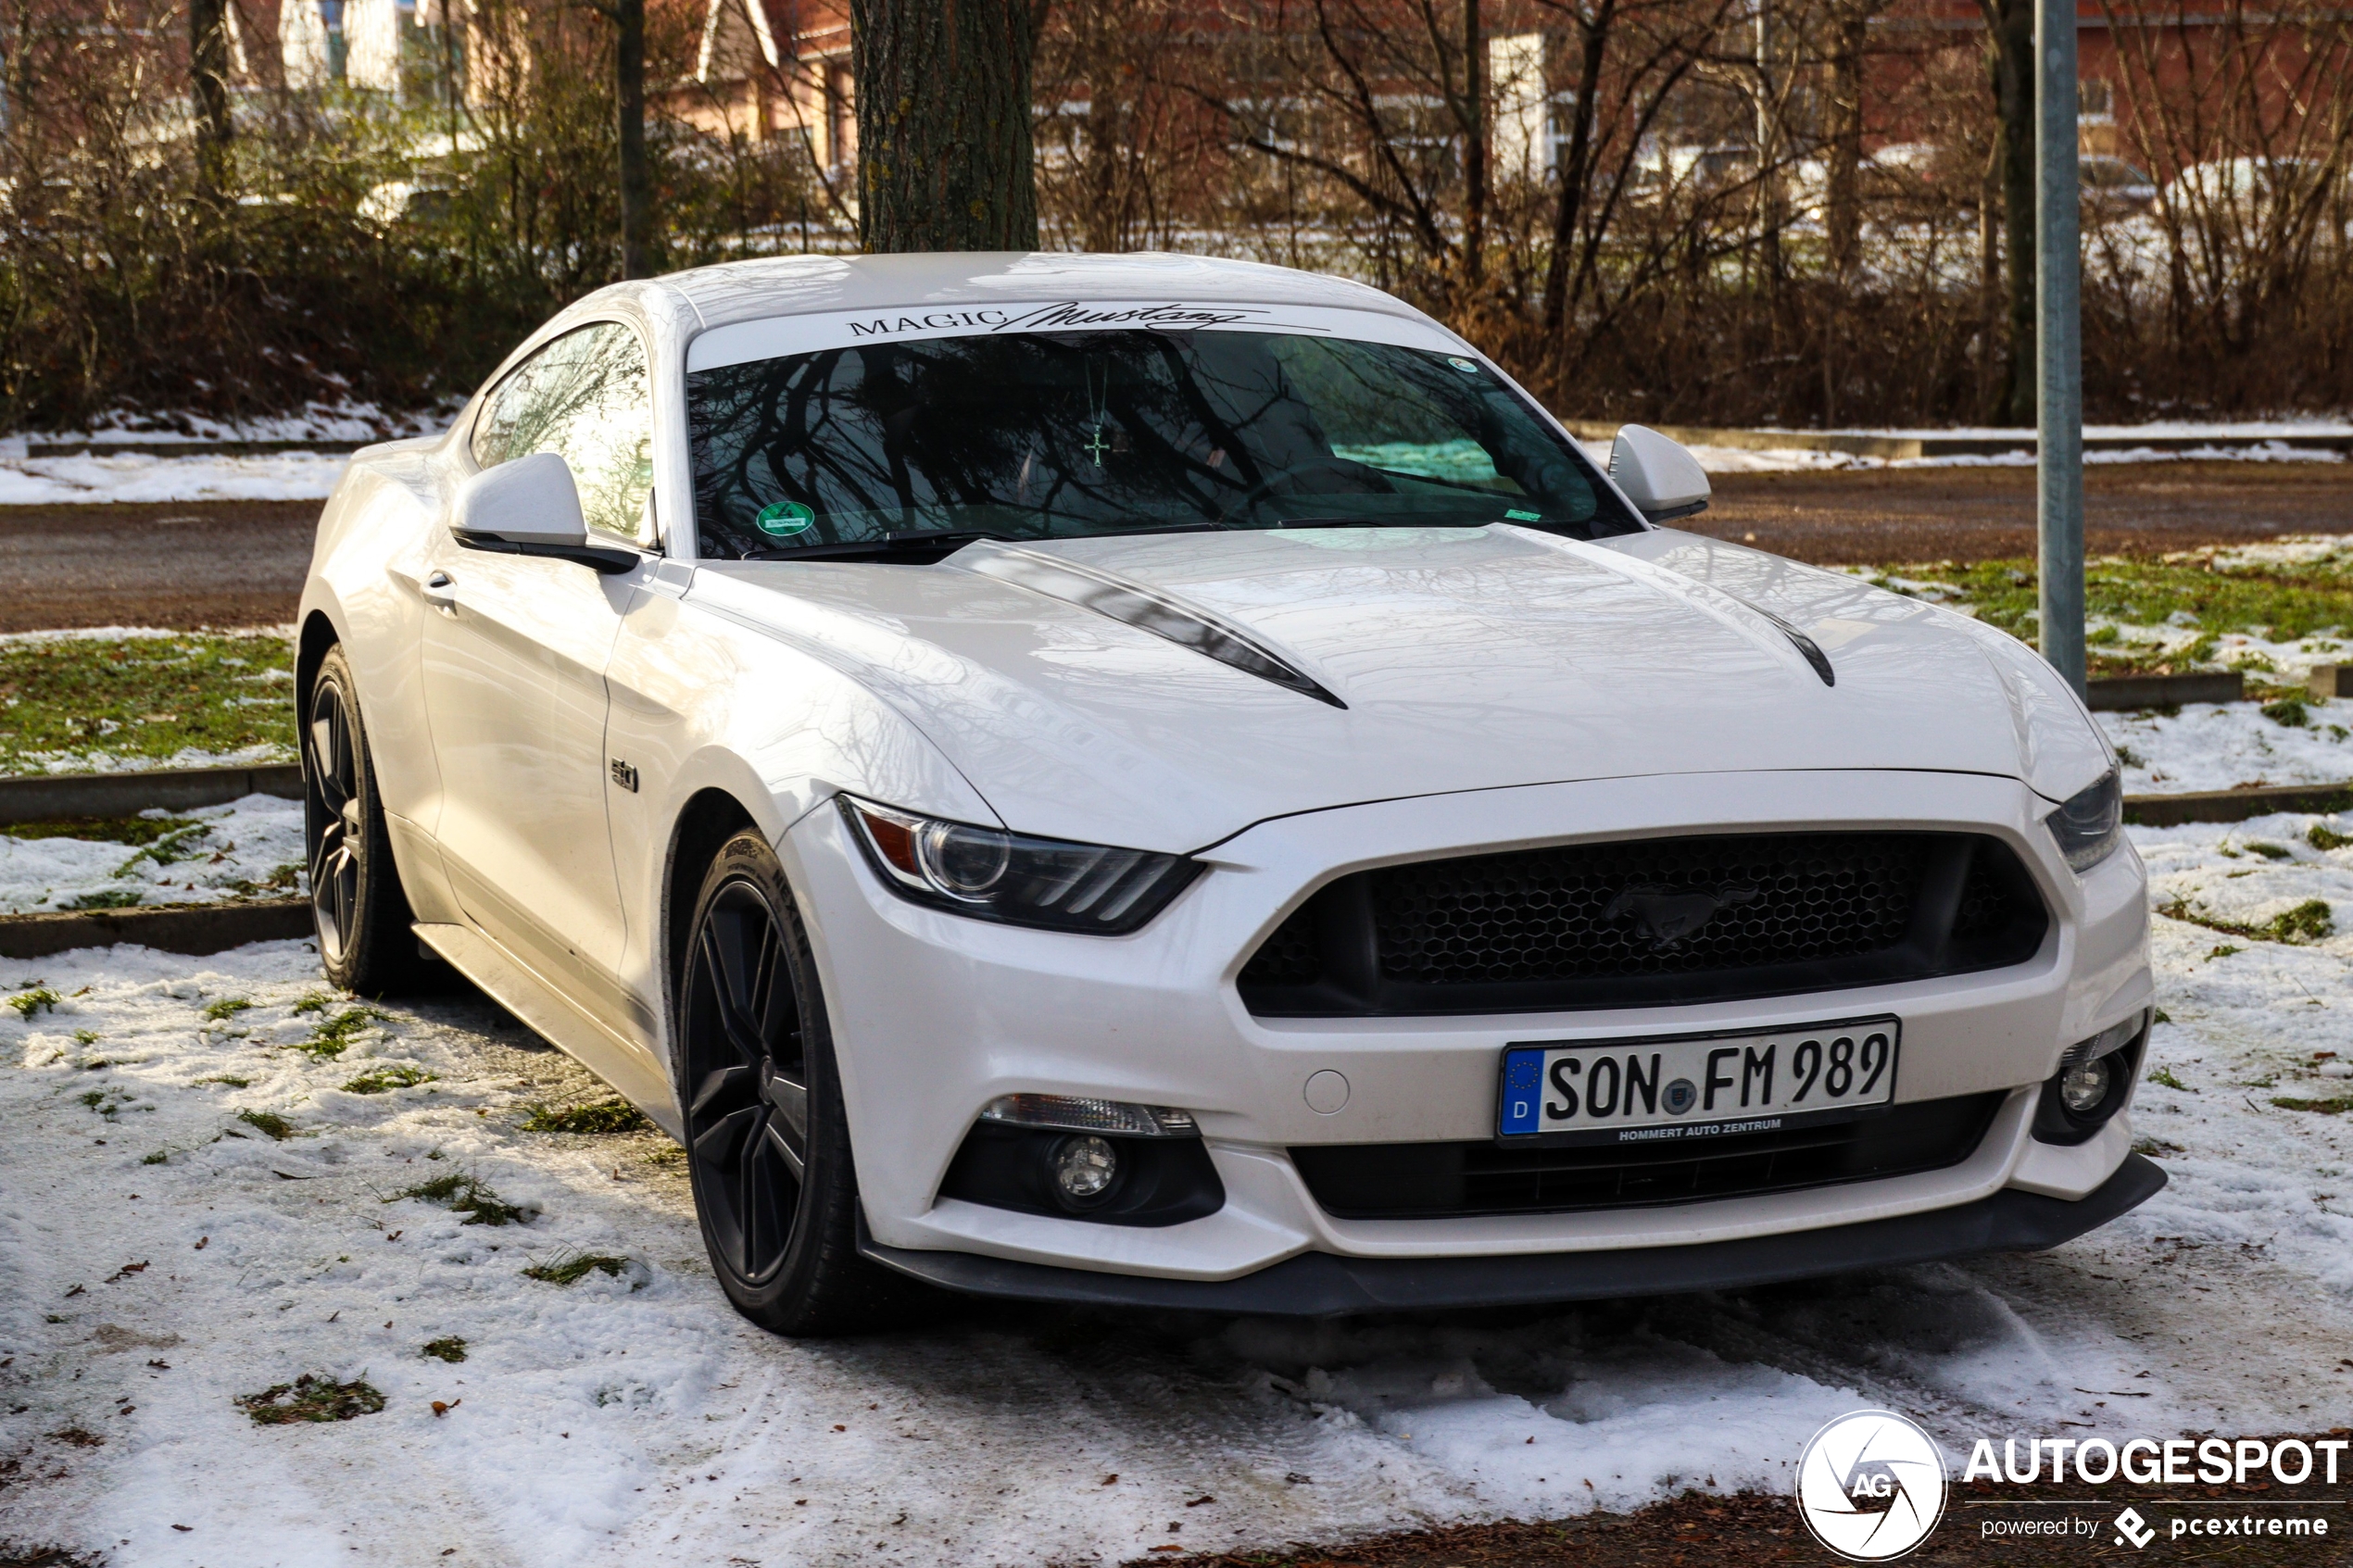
(767, 1141)
(365, 941)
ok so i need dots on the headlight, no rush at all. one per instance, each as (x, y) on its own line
(992, 875)
(2091, 824)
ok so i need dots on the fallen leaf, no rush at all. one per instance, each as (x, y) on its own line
(160, 1366)
(1200, 1499)
(200, 1243)
(1112, 1479)
(184, 1529)
(127, 1269)
(75, 1291)
(840, 1428)
(440, 1409)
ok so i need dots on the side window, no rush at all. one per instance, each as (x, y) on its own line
(589, 396)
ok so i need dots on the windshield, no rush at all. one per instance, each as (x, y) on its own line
(1053, 436)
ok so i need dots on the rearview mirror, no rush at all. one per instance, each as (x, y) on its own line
(530, 507)
(1659, 476)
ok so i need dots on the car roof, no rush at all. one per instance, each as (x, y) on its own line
(793, 285)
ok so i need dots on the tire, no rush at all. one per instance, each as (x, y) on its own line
(366, 943)
(767, 1137)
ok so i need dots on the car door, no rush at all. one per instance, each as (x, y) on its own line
(514, 672)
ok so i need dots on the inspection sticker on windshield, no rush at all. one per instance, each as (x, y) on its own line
(1674, 1088)
(784, 518)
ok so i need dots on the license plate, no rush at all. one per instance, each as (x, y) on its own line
(1654, 1090)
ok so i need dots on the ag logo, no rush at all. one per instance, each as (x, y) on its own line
(1870, 1485)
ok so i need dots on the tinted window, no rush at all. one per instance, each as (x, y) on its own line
(586, 395)
(1039, 435)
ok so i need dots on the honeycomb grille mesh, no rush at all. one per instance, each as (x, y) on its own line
(1603, 909)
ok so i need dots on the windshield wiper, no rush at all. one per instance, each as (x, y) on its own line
(922, 538)
(1382, 523)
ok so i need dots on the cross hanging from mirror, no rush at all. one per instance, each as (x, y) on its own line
(1096, 445)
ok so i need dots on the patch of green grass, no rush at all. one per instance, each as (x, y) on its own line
(281, 879)
(2289, 711)
(147, 698)
(2271, 851)
(2337, 1106)
(2309, 922)
(611, 1116)
(332, 1037)
(461, 1193)
(160, 1157)
(86, 1037)
(383, 1079)
(452, 1349)
(106, 1102)
(576, 1267)
(268, 1122)
(230, 1079)
(105, 898)
(2222, 950)
(34, 1000)
(2280, 602)
(168, 850)
(2164, 1075)
(2155, 1146)
(226, 1008)
(312, 1399)
(2322, 836)
(103, 830)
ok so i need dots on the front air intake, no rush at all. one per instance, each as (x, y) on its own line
(1649, 923)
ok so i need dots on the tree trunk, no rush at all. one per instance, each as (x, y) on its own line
(1474, 143)
(2012, 24)
(209, 85)
(637, 175)
(1846, 149)
(944, 154)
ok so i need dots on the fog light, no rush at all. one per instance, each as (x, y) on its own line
(2084, 1085)
(1085, 1169)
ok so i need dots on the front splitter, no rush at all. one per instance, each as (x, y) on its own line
(1324, 1285)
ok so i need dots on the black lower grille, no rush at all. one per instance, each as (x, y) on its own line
(1649, 921)
(1428, 1181)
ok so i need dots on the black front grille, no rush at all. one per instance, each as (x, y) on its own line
(1649, 921)
(1428, 1181)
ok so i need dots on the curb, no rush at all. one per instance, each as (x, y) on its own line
(2233, 805)
(2117, 694)
(65, 796)
(194, 928)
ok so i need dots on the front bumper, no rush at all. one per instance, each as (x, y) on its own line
(1321, 1284)
(934, 1015)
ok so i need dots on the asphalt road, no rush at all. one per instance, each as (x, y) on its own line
(228, 563)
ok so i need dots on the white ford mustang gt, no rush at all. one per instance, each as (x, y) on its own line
(1148, 780)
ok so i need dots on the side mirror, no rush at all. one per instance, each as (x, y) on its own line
(530, 507)
(1660, 477)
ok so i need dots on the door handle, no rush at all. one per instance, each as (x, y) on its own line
(441, 592)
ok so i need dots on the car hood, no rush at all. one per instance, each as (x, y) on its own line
(1455, 658)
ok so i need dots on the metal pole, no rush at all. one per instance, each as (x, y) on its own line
(2058, 343)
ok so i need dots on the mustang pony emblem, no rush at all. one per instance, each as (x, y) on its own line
(1664, 916)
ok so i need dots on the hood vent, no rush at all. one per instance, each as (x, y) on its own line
(1804, 643)
(1143, 610)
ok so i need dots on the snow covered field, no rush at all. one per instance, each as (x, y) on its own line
(249, 848)
(129, 477)
(160, 1257)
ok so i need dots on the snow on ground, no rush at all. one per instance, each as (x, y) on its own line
(1784, 460)
(252, 847)
(355, 422)
(634, 1419)
(2226, 745)
(128, 477)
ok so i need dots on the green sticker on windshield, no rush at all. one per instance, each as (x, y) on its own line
(1515, 515)
(784, 518)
